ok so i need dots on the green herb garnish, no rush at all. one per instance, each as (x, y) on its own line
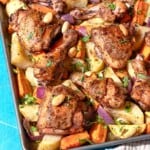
(82, 78)
(142, 76)
(111, 6)
(30, 36)
(128, 108)
(123, 41)
(86, 38)
(99, 120)
(28, 99)
(125, 81)
(33, 129)
(83, 141)
(49, 63)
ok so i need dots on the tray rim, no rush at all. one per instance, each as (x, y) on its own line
(23, 138)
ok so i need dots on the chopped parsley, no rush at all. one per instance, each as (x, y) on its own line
(141, 76)
(30, 36)
(86, 38)
(139, 12)
(123, 41)
(79, 66)
(82, 78)
(28, 99)
(111, 6)
(33, 129)
(49, 63)
(128, 108)
(125, 81)
(99, 120)
(100, 75)
(83, 141)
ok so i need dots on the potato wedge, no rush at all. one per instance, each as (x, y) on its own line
(24, 86)
(96, 64)
(30, 112)
(131, 70)
(73, 140)
(13, 5)
(130, 112)
(126, 131)
(98, 133)
(30, 76)
(76, 3)
(50, 142)
(109, 73)
(18, 56)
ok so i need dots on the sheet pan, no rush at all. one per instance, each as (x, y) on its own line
(26, 144)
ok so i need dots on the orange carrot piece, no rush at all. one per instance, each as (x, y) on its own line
(73, 140)
(98, 133)
(41, 8)
(23, 84)
(3, 1)
(146, 52)
(140, 11)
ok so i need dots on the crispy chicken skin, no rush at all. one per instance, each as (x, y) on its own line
(114, 47)
(105, 91)
(100, 10)
(141, 87)
(34, 35)
(67, 118)
(51, 66)
(141, 93)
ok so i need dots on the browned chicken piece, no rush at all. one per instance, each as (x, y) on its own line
(141, 93)
(141, 87)
(51, 66)
(58, 5)
(100, 10)
(105, 91)
(147, 38)
(65, 118)
(33, 33)
(113, 45)
(139, 66)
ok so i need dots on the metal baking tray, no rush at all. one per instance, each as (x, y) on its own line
(26, 143)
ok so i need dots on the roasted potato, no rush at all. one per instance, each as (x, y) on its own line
(76, 3)
(126, 131)
(50, 142)
(96, 64)
(109, 73)
(130, 112)
(30, 112)
(18, 56)
(13, 5)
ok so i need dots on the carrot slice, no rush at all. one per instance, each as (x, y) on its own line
(148, 128)
(41, 8)
(23, 84)
(98, 133)
(73, 140)
(146, 52)
(140, 11)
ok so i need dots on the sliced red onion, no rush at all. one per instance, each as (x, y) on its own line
(40, 92)
(26, 125)
(148, 22)
(68, 17)
(94, 1)
(82, 31)
(105, 115)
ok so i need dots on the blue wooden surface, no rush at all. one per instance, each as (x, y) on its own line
(9, 132)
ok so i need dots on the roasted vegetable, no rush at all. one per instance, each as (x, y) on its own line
(130, 112)
(18, 56)
(74, 140)
(50, 142)
(126, 131)
(24, 86)
(98, 133)
(30, 112)
(96, 64)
